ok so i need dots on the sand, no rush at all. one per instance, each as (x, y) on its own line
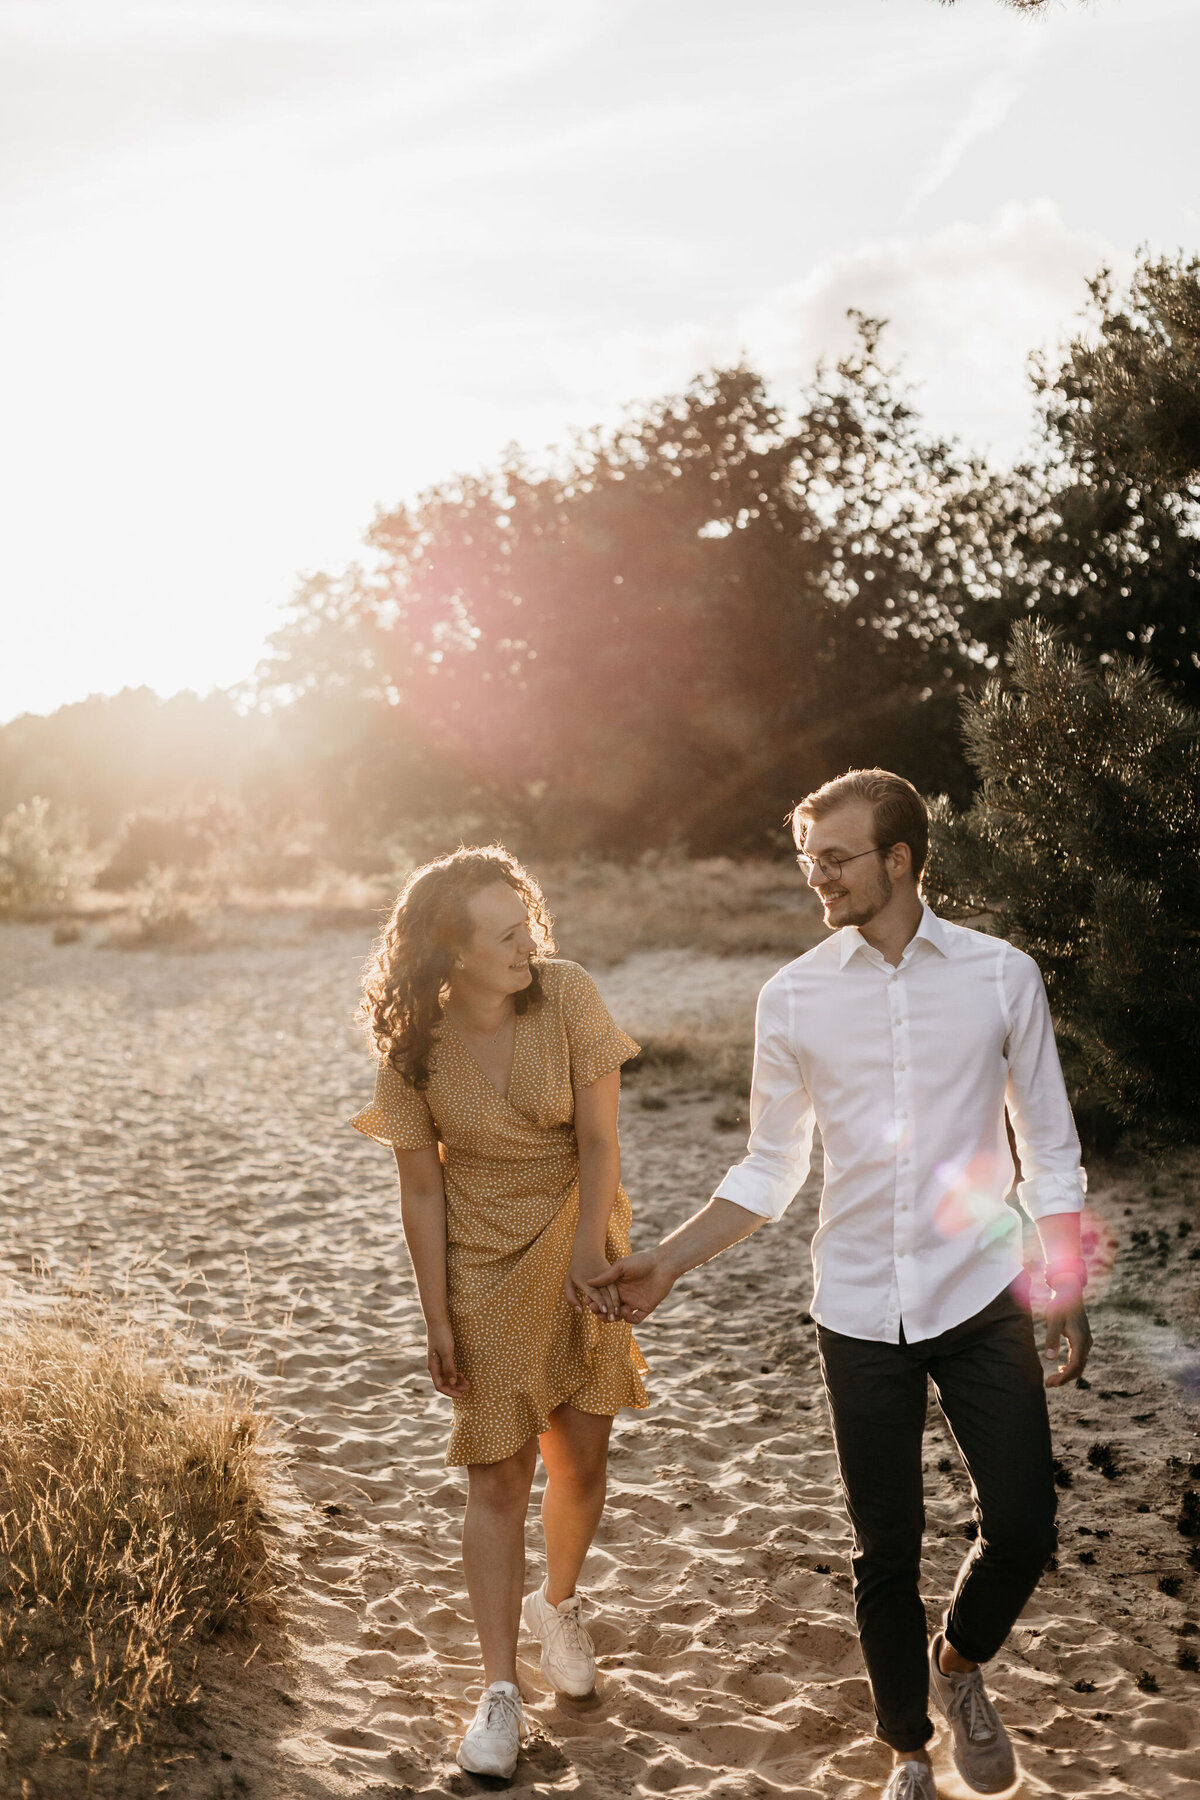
(177, 1121)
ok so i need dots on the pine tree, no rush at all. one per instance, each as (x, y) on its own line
(1099, 535)
(1082, 846)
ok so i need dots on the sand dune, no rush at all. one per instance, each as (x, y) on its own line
(179, 1122)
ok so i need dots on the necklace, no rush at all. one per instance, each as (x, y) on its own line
(476, 1033)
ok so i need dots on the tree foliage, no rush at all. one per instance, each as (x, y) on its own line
(670, 636)
(1025, 6)
(112, 753)
(673, 631)
(1082, 845)
(1100, 537)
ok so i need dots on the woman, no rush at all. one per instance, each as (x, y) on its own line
(497, 1087)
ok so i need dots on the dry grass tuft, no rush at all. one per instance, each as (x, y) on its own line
(715, 1056)
(168, 912)
(605, 911)
(131, 1504)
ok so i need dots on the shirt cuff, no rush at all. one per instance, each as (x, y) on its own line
(755, 1190)
(1047, 1194)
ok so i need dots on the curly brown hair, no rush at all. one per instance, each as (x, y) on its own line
(406, 974)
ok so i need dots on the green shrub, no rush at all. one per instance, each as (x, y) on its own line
(1083, 846)
(172, 837)
(43, 859)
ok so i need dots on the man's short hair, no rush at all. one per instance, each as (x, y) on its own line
(901, 816)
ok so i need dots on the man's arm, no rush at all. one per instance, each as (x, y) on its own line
(760, 1187)
(1065, 1313)
(645, 1279)
(1052, 1181)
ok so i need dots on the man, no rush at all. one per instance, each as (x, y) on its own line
(904, 1038)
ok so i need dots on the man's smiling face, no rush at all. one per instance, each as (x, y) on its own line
(863, 886)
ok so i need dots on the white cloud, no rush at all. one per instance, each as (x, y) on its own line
(965, 305)
(989, 106)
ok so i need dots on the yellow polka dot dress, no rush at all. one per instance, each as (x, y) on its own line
(511, 1172)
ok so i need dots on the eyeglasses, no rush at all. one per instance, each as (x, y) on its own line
(831, 866)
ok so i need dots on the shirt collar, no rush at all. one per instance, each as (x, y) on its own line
(931, 929)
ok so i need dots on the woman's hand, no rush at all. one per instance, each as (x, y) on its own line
(579, 1294)
(640, 1282)
(443, 1364)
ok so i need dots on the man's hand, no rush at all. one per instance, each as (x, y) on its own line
(1065, 1317)
(643, 1281)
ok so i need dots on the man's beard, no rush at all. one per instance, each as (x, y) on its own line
(868, 905)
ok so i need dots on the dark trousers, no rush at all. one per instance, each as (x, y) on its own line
(988, 1378)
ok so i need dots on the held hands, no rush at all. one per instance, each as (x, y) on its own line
(585, 1291)
(443, 1364)
(641, 1283)
(1065, 1317)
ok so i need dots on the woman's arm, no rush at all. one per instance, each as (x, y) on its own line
(423, 1215)
(599, 1177)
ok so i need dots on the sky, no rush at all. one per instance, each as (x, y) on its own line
(272, 264)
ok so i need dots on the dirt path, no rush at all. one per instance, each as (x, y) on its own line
(179, 1122)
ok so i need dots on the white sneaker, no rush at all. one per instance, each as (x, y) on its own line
(911, 1781)
(493, 1742)
(568, 1654)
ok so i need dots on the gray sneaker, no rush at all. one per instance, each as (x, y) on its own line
(983, 1755)
(911, 1781)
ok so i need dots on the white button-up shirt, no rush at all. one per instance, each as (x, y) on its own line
(907, 1071)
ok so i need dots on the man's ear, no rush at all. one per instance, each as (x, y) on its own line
(900, 860)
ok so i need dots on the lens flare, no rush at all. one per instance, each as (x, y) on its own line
(1098, 1243)
(966, 1195)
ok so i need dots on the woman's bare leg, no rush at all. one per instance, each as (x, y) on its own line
(493, 1545)
(575, 1451)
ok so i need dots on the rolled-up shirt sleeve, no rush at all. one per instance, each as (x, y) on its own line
(1052, 1180)
(779, 1152)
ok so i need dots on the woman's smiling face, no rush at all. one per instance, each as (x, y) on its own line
(497, 957)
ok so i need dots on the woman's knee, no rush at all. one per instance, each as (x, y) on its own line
(501, 1487)
(577, 1470)
(579, 1485)
(576, 1455)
